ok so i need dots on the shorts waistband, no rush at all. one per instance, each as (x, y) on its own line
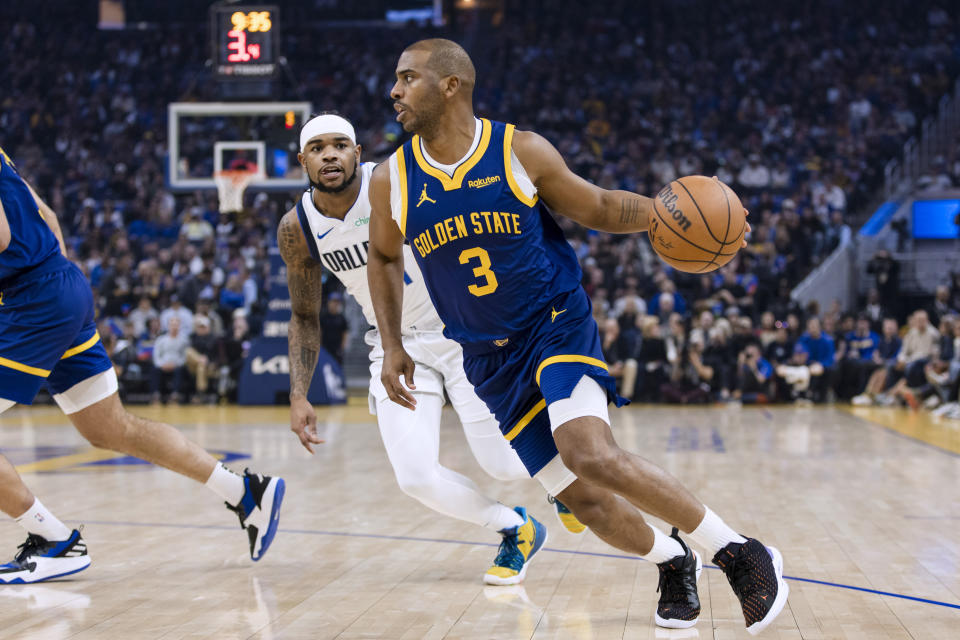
(52, 264)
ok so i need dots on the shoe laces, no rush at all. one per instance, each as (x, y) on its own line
(31, 546)
(740, 576)
(672, 583)
(509, 554)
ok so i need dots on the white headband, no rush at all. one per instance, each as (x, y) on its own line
(324, 124)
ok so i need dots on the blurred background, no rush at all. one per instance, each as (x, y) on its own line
(836, 123)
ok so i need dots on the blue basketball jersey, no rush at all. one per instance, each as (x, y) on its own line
(32, 242)
(492, 258)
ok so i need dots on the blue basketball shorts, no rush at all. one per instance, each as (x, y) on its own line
(519, 377)
(47, 332)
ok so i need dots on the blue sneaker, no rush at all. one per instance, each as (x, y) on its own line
(516, 551)
(41, 559)
(259, 510)
(566, 517)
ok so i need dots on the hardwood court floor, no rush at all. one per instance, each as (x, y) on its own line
(867, 519)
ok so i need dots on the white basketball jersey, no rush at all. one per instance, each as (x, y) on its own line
(341, 246)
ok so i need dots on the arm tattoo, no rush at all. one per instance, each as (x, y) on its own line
(304, 279)
(629, 211)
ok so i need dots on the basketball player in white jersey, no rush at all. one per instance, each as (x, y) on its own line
(329, 228)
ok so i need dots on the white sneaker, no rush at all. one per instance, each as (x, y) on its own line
(886, 400)
(931, 402)
(944, 409)
(862, 400)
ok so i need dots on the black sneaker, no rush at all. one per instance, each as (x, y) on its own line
(259, 510)
(756, 574)
(679, 606)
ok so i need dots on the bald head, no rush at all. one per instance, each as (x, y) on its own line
(447, 58)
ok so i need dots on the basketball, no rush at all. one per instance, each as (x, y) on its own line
(697, 224)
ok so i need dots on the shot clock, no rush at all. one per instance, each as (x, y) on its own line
(245, 41)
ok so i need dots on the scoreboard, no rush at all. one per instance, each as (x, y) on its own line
(245, 41)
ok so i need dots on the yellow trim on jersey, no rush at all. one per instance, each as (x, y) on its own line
(402, 170)
(6, 157)
(34, 371)
(80, 348)
(508, 166)
(525, 420)
(570, 358)
(455, 182)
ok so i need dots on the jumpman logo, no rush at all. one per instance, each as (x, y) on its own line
(554, 313)
(424, 197)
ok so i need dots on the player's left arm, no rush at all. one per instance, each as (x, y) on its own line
(573, 197)
(49, 217)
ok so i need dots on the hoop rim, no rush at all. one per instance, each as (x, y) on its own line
(236, 175)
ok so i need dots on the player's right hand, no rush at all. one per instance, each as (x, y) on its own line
(303, 422)
(397, 362)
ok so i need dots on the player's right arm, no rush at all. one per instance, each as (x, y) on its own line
(613, 211)
(385, 279)
(570, 195)
(4, 230)
(303, 336)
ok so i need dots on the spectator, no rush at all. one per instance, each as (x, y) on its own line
(169, 358)
(886, 270)
(883, 358)
(755, 375)
(620, 357)
(202, 358)
(140, 316)
(941, 305)
(652, 362)
(689, 381)
(235, 348)
(334, 328)
(195, 229)
(177, 310)
(820, 350)
(856, 357)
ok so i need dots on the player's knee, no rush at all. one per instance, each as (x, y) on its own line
(106, 432)
(417, 483)
(597, 464)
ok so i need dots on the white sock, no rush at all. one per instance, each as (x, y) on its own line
(664, 548)
(226, 484)
(38, 520)
(713, 533)
(503, 517)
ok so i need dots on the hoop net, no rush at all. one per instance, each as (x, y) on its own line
(230, 187)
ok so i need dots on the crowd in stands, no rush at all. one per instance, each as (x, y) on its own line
(796, 106)
(660, 349)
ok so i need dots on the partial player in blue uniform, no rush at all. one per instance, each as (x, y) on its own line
(48, 337)
(471, 196)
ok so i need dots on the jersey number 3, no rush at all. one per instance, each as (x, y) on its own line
(483, 271)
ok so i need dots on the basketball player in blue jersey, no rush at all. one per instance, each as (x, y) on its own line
(48, 336)
(471, 197)
(329, 228)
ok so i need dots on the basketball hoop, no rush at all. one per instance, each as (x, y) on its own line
(231, 183)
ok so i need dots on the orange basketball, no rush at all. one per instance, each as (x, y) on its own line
(697, 224)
